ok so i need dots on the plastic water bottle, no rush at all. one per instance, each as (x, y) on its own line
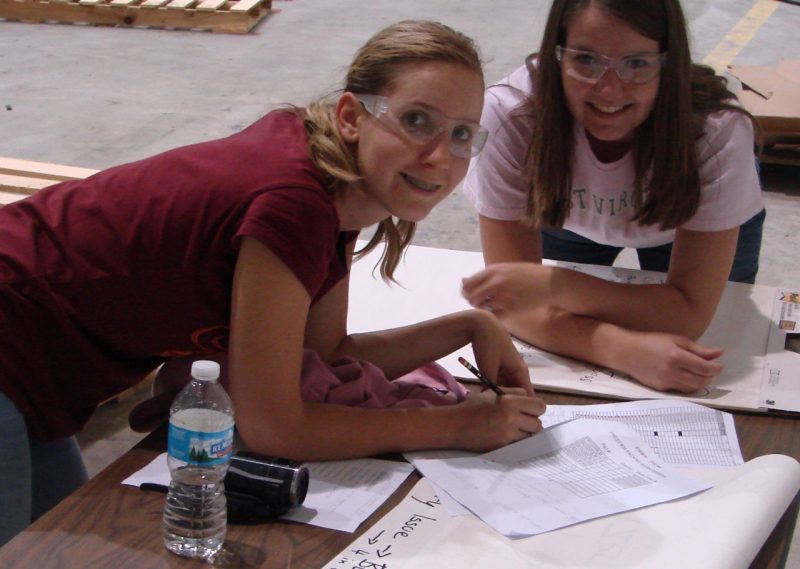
(199, 450)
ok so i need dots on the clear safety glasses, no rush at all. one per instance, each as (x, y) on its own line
(589, 67)
(421, 125)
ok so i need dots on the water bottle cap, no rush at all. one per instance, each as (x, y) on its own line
(205, 370)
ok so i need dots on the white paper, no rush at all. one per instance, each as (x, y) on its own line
(156, 472)
(780, 387)
(740, 326)
(341, 494)
(680, 433)
(569, 473)
(722, 528)
(450, 504)
(430, 286)
(407, 528)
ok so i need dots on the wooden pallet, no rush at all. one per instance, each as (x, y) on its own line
(21, 178)
(229, 16)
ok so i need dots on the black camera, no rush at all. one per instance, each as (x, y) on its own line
(260, 488)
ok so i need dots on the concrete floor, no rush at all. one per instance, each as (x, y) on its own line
(95, 97)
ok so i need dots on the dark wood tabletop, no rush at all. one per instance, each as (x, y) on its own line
(106, 525)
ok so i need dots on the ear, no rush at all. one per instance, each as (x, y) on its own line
(348, 117)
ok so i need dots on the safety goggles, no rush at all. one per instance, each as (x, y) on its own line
(589, 67)
(421, 125)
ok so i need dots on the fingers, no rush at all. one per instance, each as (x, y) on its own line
(703, 369)
(515, 391)
(703, 351)
(692, 378)
(488, 395)
(524, 413)
(494, 421)
(488, 289)
(520, 384)
(676, 363)
(517, 376)
(475, 291)
(697, 366)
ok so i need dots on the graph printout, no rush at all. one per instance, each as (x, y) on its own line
(681, 433)
(575, 471)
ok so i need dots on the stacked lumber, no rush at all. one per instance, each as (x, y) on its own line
(21, 178)
(228, 16)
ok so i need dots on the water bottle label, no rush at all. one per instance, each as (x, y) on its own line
(203, 449)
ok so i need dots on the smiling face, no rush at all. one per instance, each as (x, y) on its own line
(610, 110)
(402, 177)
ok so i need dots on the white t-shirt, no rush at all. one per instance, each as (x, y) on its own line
(602, 206)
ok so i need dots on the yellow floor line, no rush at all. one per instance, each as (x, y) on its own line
(740, 35)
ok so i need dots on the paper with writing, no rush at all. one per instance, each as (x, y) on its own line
(722, 528)
(569, 473)
(780, 388)
(450, 504)
(418, 523)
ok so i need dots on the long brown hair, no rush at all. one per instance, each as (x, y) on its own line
(375, 66)
(667, 183)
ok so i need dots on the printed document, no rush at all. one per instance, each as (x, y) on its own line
(681, 433)
(569, 473)
(341, 493)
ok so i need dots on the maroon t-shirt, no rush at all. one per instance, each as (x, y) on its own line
(102, 279)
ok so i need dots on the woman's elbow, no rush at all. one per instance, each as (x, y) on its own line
(277, 438)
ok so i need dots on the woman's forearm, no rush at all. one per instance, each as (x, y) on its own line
(659, 360)
(561, 332)
(400, 350)
(643, 307)
(322, 431)
(325, 431)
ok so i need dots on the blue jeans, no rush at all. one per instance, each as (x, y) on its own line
(564, 245)
(34, 475)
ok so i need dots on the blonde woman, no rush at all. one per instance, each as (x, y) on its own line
(242, 246)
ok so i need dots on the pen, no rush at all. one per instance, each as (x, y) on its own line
(482, 378)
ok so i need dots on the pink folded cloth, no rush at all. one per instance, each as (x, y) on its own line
(346, 381)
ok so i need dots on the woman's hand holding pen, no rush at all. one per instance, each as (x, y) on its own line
(491, 421)
(488, 420)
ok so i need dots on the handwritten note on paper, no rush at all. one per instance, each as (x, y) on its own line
(575, 471)
(451, 505)
(399, 535)
(722, 528)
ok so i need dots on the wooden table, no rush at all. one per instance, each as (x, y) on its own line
(108, 525)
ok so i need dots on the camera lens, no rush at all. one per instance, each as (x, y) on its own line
(299, 486)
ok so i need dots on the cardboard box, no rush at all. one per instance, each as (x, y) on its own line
(772, 95)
